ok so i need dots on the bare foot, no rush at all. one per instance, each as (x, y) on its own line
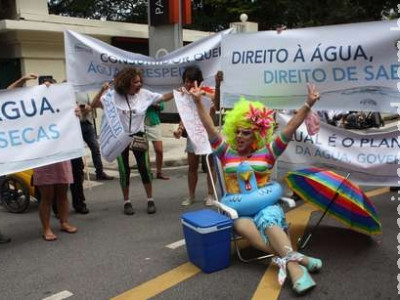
(68, 228)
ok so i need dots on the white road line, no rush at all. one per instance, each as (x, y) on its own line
(59, 296)
(175, 245)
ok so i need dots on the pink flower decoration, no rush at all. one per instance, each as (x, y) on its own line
(261, 119)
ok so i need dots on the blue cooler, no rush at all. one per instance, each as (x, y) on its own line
(207, 235)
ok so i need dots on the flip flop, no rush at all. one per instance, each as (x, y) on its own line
(49, 239)
(70, 229)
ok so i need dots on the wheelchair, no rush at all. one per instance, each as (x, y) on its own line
(16, 191)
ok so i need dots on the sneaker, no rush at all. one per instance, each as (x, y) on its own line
(209, 200)
(151, 207)
(128, 209)
(187, 202)
(104, 176)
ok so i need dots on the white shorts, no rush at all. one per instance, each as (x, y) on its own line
(153, 133)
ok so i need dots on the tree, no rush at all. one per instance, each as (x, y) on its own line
(112, 10)
(215, 15)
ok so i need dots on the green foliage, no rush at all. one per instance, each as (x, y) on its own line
(112, 10)
(215, 15)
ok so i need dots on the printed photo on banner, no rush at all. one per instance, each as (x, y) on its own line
(190, 118)
(370, 157)
(38, 127)
(353, 70)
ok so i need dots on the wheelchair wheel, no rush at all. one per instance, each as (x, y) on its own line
(14, 194)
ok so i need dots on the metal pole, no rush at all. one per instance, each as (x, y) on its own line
(180, 29)
(302, 243)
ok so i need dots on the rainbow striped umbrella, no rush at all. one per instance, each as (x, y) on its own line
(337, 196)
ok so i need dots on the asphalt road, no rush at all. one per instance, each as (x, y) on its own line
(125, 257)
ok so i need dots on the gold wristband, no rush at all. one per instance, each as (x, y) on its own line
(307, 105)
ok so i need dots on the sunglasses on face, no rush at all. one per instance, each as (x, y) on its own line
(244, 132)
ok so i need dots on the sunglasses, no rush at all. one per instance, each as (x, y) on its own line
(244, 132)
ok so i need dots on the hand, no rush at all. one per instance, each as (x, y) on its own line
(219, 77)
(196, 92)
(313, 94)
(30, 76)
(280, 28)
(106, 85)
(177, 134)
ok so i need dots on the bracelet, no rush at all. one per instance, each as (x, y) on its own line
(307, 105)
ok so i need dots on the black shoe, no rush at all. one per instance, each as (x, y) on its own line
(151, 207)
(296, 197)
(394, 188)
(82, 210)
(4, 239)
(104, 176)
(128, 209)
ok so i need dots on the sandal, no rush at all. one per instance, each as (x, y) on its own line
(162, 176)
(314, 264)
(304, 283)
(49, 238)
(68, 228)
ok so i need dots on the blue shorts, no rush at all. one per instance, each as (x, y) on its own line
(270, 216)
(189, 146)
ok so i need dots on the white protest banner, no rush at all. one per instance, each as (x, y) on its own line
(370, 157)
(91, 62)
(354, 66)
(190, 118)
(38, 127)
(113, 138)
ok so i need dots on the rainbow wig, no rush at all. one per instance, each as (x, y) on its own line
(249, 115)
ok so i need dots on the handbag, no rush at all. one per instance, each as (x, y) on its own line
(139, 143)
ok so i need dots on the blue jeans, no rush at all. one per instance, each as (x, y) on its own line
(90, 138)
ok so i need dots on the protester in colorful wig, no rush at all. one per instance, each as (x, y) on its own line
(248, 140)
(132, 101)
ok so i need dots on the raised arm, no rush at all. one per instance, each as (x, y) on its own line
(219, 77)
(20, 82)
(203, 113)
(96, 100)
(298, 118)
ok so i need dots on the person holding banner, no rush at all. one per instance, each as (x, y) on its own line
(18, 83)
(248, 141)
(132, 101)
(191, 75)
(53, 181)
